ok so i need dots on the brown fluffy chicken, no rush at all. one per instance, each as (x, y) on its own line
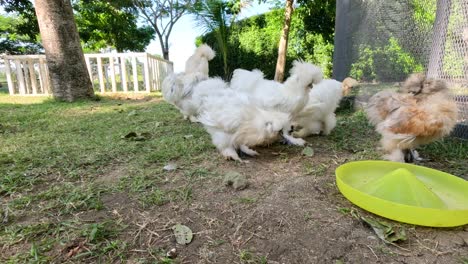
(423, 111)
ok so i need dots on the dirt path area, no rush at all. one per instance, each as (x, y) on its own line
(76, 189)
(289, 213)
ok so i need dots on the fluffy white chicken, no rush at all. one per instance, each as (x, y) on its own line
(211, 87)
(236, 124)
(177, 89)
(319, 113)
(289, 97)
(198, 62)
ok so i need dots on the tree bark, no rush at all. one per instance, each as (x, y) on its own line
(164, 42)
(69, 76)
(165, 48)
(283, 43)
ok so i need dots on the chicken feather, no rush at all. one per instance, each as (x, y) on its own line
(422, 112)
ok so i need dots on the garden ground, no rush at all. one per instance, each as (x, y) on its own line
(77, 186)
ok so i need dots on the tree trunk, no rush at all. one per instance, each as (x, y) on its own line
(69, 76)
(164, 46)
(283, 44)
(436, 57)
(166, 54)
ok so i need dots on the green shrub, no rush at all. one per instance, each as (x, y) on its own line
(385, 64)
(253, 44)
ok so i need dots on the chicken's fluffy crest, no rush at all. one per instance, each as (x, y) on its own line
(309, 73)
(205, 51)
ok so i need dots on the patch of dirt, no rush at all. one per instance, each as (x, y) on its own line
(284, 216)
(131, 96)
(113, 176)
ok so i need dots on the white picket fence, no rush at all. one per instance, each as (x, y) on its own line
(111, 72)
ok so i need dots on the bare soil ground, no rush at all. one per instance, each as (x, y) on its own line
(284, 216)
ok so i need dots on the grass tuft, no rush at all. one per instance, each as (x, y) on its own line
(63, 163)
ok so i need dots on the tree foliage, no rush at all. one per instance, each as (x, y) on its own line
(24, 9)
(101, 24)
(111, 23)
(19, 29)
(162, 15)
(388, 63)
(318, 17)
(216, 16)
(253, 43)
(13, 42)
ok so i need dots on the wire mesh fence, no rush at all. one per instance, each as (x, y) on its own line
(381, 42)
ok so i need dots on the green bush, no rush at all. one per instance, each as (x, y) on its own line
(453, 63)
(253, 44)
(385, 64)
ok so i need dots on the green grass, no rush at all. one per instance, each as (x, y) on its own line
(60, 162)
(314, 169)
(353, 133)
(247, 257)
(100, 238)
(54, 154)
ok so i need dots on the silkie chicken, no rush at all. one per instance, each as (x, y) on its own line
(422, 112)
(177, 88)
(236, 124)
(203, 89)
(289, 97)
(198, 62)
(318, 116)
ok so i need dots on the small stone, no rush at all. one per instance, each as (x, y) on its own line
(172, 254)
(236, 180)
(308, 151)
(464, 236)
(170, 166)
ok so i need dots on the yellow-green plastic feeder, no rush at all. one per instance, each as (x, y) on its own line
(405, 192)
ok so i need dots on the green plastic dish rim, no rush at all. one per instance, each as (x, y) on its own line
(385, 203)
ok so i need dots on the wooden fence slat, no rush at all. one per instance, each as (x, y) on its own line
(129, 74)
(135, 74)
(32, 75)
(29, 74)
(155, 75)
(123, 74)
(24, 57)
(147, 74)
(20, 78)
(158, 76)
(47, 78)
(88, 65)
(44, 76)
(41, 81)
(11, 85)
(100, 75)
(150, 70)
(112, 73)
(27, 80)
(115, 55)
